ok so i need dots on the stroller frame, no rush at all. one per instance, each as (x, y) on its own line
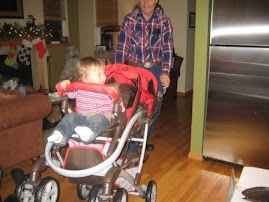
(37, 189)
(106, 167)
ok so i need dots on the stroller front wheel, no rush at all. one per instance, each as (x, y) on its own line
(121, 195)
(96, 189)
(83, 191)
(151, 193)
(24, 192)
(47, 190)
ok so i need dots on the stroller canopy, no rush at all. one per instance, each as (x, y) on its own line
(142, 79)
(143, 82)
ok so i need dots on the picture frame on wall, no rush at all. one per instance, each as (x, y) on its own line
(192, 20)
(100, 48)
(11, 9)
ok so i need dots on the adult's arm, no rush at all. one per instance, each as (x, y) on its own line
(168, 47)
(123, 43)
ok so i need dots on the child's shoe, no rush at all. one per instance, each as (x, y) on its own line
(85, 134)
(56, 137)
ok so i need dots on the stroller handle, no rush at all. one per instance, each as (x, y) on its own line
(104, 165)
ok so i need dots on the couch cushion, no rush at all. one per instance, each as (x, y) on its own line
(21, 143)
(24, 109)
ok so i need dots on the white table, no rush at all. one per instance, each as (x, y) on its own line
(250, 177)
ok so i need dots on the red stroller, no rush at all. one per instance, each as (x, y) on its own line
(103, 170)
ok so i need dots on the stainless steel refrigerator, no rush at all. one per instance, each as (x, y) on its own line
(237, 119)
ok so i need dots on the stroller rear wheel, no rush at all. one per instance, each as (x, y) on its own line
(96, 189)
(151, 192)
(121, 195)
(83, 191)
(47, 190)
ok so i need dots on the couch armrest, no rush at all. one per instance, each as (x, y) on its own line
(24, 109)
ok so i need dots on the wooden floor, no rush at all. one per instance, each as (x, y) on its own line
(178, 177)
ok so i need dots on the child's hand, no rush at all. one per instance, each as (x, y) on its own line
(64, 83)
(122, 107)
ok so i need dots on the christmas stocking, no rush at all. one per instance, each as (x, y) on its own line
(40, 47)
(24, 54)
(11, 59)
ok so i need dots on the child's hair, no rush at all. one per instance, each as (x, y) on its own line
(87, 63)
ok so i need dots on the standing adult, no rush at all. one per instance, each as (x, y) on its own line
(145, 40)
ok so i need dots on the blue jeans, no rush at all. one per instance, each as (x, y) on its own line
(97, 123)
(156, 71)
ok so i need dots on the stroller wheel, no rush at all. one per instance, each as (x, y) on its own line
(96, 189)
(151, 192)
(121, 195)
(83, 191)
(47, 190)
(24, 192)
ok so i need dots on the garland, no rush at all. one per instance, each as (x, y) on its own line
(13, 31)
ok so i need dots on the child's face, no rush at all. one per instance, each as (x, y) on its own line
(95, 75)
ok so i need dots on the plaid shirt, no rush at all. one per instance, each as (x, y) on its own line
(143, 41)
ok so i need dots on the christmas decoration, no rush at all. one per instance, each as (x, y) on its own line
(24, 55)
(11, 59)
(39, 46)
(30, 21)
(10, 31)
(10, 84)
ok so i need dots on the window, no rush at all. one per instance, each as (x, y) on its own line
(106, 12)
(55, 18)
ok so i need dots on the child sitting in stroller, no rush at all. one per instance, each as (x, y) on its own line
(102, 170)
(93, 109)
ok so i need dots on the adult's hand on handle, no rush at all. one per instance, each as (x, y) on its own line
(165, 80)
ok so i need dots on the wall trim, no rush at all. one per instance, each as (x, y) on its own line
(195, 156)
(184, 94)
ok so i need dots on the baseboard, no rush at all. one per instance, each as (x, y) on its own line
(195, 156)
(184, 94)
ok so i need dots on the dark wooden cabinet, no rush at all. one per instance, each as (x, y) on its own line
(174, 74)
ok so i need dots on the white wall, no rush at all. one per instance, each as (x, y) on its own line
(125, 7)
(86, 27)
(176, 10)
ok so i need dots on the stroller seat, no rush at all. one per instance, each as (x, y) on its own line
(100, 149)
(118, 92)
